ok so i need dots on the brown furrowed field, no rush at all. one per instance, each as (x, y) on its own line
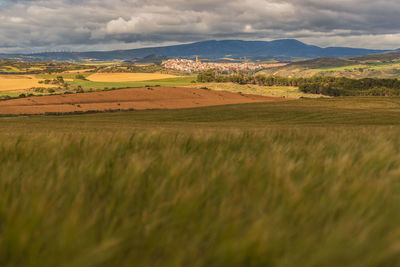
(126, 99)
(128, 77)
(18, 82)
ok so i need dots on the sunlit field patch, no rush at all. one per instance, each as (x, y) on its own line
(272, 91)
(127, 77)
(18, 82)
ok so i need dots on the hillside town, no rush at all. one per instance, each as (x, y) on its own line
(188, 65)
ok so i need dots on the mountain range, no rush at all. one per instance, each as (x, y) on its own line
(285, 49)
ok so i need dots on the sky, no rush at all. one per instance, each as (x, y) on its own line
(82, 25)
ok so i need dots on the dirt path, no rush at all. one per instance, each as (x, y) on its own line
(125, 99)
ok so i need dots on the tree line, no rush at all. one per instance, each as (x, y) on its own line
(330, 86)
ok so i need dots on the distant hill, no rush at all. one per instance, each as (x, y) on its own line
(147, 59)
(323, 63)
(388, 57)
(279, 49)
(329, 62)
(386, 65)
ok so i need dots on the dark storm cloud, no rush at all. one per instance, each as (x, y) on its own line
(106, 24)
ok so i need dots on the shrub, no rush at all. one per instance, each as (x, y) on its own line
(80, 77)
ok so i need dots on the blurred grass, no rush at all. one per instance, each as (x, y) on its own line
(300, 183)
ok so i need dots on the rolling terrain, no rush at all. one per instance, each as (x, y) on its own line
(184, 148)
(68, 78)
(203, 175)
(278, 49)
(371, 66)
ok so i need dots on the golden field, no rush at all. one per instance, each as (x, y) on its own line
(19, 82)
(127, 77)
(78, 71)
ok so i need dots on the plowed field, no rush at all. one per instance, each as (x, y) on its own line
(125, 99)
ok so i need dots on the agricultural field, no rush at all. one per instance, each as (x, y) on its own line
(127, 99)
(19, 67)
(79, 71)
(9, 69)
(252, 89)
(179, 81)
(127, 77)
(97, 63)
(18, 82)
(104, 76)
(310, 181)
(71, 81)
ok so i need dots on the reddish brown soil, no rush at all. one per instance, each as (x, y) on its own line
(125, 99)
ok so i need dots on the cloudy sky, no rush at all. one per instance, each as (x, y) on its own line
(79, 25)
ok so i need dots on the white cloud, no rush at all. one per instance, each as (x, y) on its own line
(16, 20)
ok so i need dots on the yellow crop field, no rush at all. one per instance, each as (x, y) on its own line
(127, 77)
(78, 71)
(19, 82)
(35, 68)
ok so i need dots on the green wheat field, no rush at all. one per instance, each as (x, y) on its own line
(297, 183)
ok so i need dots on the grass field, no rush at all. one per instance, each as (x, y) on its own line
(378, 66)
(355, 71)
(9, 69)
(128, 77)
(20, 67)
(180, 81)
(86, 84)
(273, 91)
(9, 94)
(351, 67)
(313, 182)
